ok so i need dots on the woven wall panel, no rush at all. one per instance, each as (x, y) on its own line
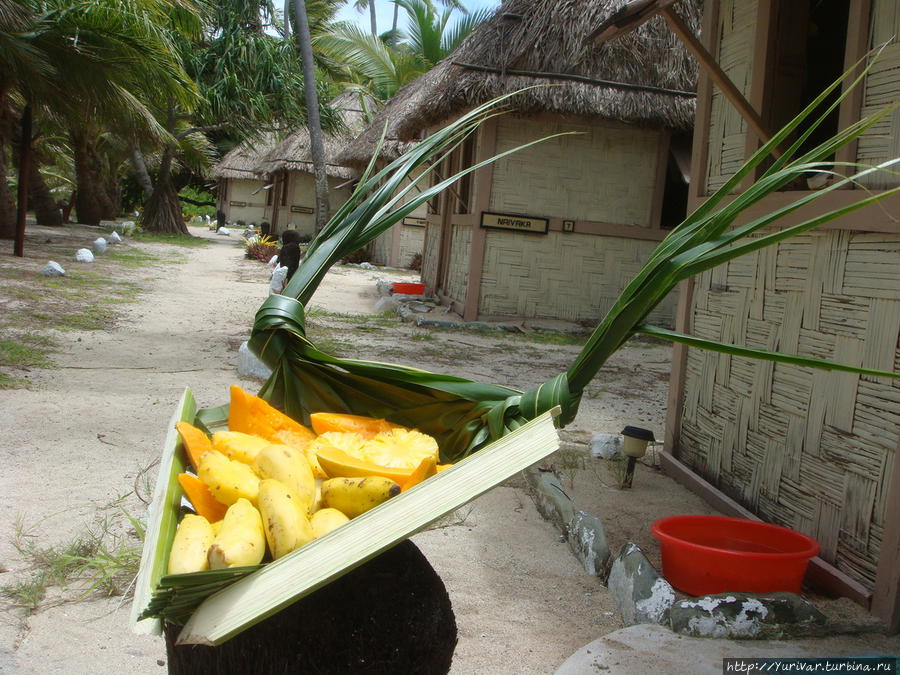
(727, 129)
(574, 277)
(882, 88)
(412, 242)
(458, 269)
(806, 448)
(430, 255)
(604, 174)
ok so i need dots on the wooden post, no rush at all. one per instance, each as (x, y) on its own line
(886, 593)
(483, 181)
(24, 168)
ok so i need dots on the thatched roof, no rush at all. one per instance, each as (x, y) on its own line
(243, 161)
(293, 152)
(550, 37)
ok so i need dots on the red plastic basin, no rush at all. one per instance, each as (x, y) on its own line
(702, 555)
(408, 288)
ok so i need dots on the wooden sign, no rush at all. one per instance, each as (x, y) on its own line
(302, 209)
(237, 203)
(506, 221)
(415, 222)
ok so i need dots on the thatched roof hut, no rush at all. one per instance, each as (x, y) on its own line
(243, 162)
(644, 78)
(293, 153)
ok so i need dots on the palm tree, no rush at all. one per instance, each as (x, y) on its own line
(89, 60)
(382, 66)
(250, 82)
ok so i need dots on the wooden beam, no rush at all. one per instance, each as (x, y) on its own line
(709, 64)
(886, 594)
(858, 28)
(675, 403)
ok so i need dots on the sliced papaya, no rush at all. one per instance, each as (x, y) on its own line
(252, 415)
(323, 422)
(426, 469)
(195, 442)
(338, 464)
(201, 498)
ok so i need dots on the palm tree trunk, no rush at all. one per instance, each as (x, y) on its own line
(316, 143)
(7, 210)
(372, 18)
(396, 16)
(92, 202)
(287, 19)
(141, 174)
(162, 212)
(47, 210)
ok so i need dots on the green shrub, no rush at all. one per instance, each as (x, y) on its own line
(191, 210)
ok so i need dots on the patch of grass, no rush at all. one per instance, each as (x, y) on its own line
(422, 337)
(10, 382)
(176, 239)
(550, 338)
(19, 354)
(94, 318)
(101, 560)
(131, 257)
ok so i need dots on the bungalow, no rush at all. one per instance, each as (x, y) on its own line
(242, 193)
(288, 165)
(557, 230)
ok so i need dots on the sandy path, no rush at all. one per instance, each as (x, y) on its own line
(75, 444)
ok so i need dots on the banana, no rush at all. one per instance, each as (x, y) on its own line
(353, 496)
(227, 479)
(288, 465)
(324, 521)
(241, 541)
(189, 548)
(284, 518)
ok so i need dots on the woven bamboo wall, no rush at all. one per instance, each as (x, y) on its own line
(430, 253)
(805, 448)
(458, 268)
(882, 141)
(412, 239)
(575, 277)
(242, 191)
(606, 174)
(412, 242)
(727, 129)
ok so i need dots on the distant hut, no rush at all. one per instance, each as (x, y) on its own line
(812, 450)
(289, 168)
(402, 244)
(242, 193)
(556, 231)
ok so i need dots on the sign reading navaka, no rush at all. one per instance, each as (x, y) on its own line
(302, 209)
(415, 222)
(506, 221)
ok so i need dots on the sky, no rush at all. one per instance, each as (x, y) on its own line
(385, 12)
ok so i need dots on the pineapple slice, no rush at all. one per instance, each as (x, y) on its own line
(400, 448)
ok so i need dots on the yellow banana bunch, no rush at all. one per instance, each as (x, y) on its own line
(241, 541)
(284, 518)
(190, 546)
(324, 521)
(228, 480)
(288, 465)
(353, 496)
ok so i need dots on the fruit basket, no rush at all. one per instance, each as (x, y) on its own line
(215, 605)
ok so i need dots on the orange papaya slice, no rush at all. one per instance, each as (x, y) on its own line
(195, 442)
(252, 415)
(323, 422)
(201, 498)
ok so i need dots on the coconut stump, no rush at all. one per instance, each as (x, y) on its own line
(390, 615)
